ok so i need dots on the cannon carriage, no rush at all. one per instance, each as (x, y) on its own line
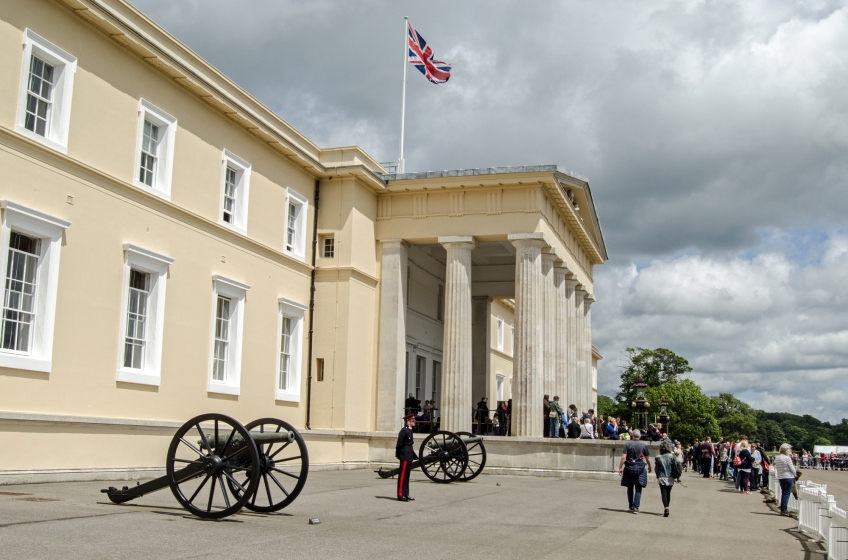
(447, 457)
(215, 466)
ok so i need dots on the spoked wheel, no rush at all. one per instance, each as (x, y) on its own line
(283, 465)
(476, 457)
(207, 451)
(444, 457)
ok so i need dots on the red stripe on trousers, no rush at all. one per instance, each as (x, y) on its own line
(402, 472)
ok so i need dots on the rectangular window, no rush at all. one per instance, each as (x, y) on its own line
(512, 340)
(154, 150)
(500, 334)
(499, 392)
(39, 96)
(20, 296)
(143, 313)
(440, 304)
(137, 316)
(44, 106)
(285, 354)
(229, 195)
(291, 228)
(149, 153)
(420, 368)
(319, 368)
(437, 382)
(329, 247)
(234, 195)
(222, 339)
(227, 328)
(30, 244)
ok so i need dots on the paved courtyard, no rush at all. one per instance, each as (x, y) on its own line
(490, 517)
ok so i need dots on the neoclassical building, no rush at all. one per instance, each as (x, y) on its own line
(172, 247)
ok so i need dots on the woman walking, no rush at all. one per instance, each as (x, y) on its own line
(746, 463)
(632, 467)
(786, 475)
(664, 467)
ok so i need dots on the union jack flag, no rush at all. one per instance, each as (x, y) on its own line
(421, 56)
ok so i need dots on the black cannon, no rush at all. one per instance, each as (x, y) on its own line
(215, 466)
(448, 457)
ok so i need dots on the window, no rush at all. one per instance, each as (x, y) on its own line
(31, 243)
(500, 334)
(437, 382)
(319, 368)
(512, 340)
(296, 225)
(227, 327)
(47, 82)
(155, 152)
(440, 303)
(143, 315)
(499, 391)
(420, 368)
(289, 349)
(329, 247)
(235, 190)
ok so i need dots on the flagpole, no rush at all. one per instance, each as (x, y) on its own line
(400, 168)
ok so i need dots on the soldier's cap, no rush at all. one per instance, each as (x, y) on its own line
(409, 417)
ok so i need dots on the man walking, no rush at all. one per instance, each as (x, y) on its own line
(631, 468)
(556, 412)
(707, 453)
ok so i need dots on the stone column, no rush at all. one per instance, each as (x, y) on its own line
(527, 356)
(570, 333)
(560, 332)
(548, 324)
(579, 352)
(588, 300)
(391, 369)
(457, 406)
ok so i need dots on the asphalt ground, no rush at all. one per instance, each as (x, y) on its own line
(492, 516)
(837, 483)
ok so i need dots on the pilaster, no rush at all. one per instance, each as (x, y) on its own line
(391, 370)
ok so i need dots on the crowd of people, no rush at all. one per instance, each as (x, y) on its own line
(746, 463)
(824, 461)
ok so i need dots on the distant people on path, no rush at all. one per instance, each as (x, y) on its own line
(632, 467)
(707, 454)
(744, 463)
(667, 469)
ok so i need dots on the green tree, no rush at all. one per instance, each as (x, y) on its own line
(771, 434)
(735, 417)
(657, 367)
(606, 407)
(692, 413)
(798, 437)
(821, 440)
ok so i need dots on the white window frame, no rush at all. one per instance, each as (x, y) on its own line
(294, 311)
(50, 230)
(242, 194)
(165, 156)
(236, 292)
(299, 249)
(500, 333)
(512, 340)
(65, 67)
(499, 387)
(156, 265)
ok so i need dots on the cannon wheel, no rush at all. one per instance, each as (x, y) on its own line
(451, 457)
(476, 458)
(276, 490)
(217, 465)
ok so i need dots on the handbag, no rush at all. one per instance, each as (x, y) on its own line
(552, 414)
(737, 461)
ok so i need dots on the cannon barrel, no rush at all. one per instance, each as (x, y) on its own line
(283, 436)
(433, 444)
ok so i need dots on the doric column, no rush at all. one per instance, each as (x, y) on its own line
(579, 353)
(560, 332)
(391, 371)
(457, 404)
(570, 333)
(548, 324)
(588, 300)
(527, 356)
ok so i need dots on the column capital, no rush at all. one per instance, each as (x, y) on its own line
(561, 269)
(536, 239)
(589, 297)
(394, 241)
(458, 239)
(550, 256)
(581, 289)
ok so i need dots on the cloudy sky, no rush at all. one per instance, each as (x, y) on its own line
(714, 134)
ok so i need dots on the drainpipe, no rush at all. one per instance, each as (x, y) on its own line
(312, 306)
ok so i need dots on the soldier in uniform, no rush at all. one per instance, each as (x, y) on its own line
(405, 454)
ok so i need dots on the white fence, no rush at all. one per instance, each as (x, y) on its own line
(818, 515)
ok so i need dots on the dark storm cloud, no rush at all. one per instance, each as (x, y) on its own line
(708, 130)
